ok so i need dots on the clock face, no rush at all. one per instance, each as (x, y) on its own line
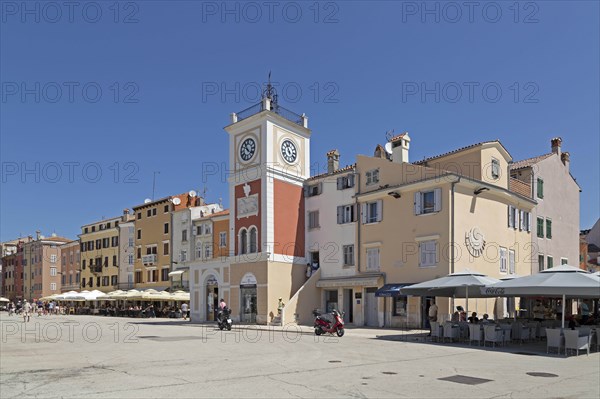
(288, 151)
(247, 149)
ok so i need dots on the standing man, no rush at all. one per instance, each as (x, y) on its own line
(433, 312)
(184, 310)
(585, 312)
(539, 311)
(26, 311)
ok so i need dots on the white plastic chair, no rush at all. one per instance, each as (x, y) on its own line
(475, 334)
(450, 331)
(492, 335)
(553, 339)
(520, 332)
(576, 342)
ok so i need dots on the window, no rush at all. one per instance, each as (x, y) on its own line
(503, 260)
(114, 260)
(428, 201)
(198, 250)
(550, 262)
(183, 235)
(115, 241)
(243, 241)
(372, 258)
(93, 228)
(199, 229)
(139, 252)
(139, 215)
(400, 304)
(564, 261)
(83, 264)
(345, 182)
(183, 255)
(512, 217)
(52, 286)
(348, 251)
(52, 258)
(312, 190)
(208, 249)
(114, 280)
(139, 234)
(540, 188)
(105, 242)
(346, 214)
(130, 243)
(511, 261)
(149, 212)
(165, 248)
(130, 259)
(138, 276)
(99, 243)
(313, 219)
(428, 253)
(85, 230)
(372, 212)
(207, 229)
(495, 169)
(63, 280)
(106, 261)
(166, 228)
(254, 239)
(525, 221)
(223, 239)
(166, 210)
(53, 271)
(64, 260)
(548, 228)
(540, 262)
(540, 227)
(153, 211)
(105, 281)
(164, 274)
(372, 177)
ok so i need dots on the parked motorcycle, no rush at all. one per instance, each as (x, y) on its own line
(224, 319)
(322, 325)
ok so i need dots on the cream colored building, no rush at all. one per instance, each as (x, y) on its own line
(445, 214)
(41, 266)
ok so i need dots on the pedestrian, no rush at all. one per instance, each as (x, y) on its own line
(184, 310)
(26, 310)
(433, 312)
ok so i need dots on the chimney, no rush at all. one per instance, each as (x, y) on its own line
(556, 143)
(125, 212)
(333, 161)
(564, 157)
(400, 146)
(38, 234)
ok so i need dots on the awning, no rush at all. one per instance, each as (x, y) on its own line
(390, 290)
(352, 281)
(176, 273)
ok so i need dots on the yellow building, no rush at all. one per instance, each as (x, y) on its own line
(99, 242)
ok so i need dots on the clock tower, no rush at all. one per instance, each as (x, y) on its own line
(269, 158)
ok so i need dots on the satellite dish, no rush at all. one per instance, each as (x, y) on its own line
(388, 147)
(176, 201)
(192, 193)
(147, 200)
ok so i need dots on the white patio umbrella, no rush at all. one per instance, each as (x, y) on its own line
(561, 281)
(455, 284)
(2, 299)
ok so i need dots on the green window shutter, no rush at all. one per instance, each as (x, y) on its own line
(548, 228)
(540, 188)
(540, 227)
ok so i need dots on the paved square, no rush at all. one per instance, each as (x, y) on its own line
(103, 357)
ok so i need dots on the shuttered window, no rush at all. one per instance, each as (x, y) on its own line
(428, 201)
(428, 253)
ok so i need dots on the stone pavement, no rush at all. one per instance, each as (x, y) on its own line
(104, 357)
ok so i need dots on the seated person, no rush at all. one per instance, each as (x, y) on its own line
(462, 313)
(486, 319)
(455, 317)
(473, 318)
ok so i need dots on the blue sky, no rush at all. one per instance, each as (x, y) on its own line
(96, 98)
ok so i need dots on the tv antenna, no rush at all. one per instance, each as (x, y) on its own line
(389, 134)
(154, 182)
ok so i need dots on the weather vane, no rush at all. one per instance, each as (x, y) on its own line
(270, 91)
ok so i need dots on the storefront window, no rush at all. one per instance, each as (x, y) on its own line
(400, 305)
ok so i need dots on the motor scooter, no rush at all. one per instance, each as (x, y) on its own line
(322, 325)
(224, 319)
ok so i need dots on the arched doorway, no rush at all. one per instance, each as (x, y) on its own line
(212, 297)
(248, 299)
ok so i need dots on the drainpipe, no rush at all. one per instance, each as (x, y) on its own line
(452, 236)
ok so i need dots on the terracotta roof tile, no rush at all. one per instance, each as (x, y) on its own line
(346, 168)
(455, 151)
(525, 163)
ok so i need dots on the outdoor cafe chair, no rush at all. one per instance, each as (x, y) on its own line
(435, 331)
(554, 339)
(492, 334)
(520, 332)
(475, 333)
(450, 331)
(575, 342)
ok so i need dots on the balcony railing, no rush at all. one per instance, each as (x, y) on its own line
(278, 109)
(149, 260)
